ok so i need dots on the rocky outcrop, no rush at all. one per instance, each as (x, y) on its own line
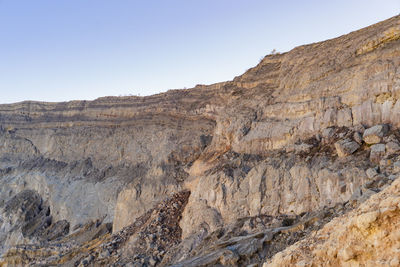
(367, 236)
(144, 242)
(289, 137)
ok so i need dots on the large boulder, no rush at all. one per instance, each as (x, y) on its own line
(375, 134)
(346, 147)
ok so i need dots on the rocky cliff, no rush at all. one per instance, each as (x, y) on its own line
(225, 174)
(367, 236)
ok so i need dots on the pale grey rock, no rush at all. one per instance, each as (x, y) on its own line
(344, 117)
(375, 134)
(141, 197)
(361, 194)
(303, 148)
(346, 147)
(26, 218)
(390, 138)
(377, 152)
(357, 193)
(396, 166)
(358, 128)
(328, 133)
(357, 137)
(366, 194)
(392, 147)
(299, 187)
(371, 172)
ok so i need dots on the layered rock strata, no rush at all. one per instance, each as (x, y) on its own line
(367, 236)
(288, 137)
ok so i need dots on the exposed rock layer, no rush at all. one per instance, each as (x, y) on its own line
(260, 145)
(367, 236)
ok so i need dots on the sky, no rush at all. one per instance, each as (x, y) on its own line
(60, 50)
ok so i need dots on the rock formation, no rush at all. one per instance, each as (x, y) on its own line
(218, 175)
(367, 236)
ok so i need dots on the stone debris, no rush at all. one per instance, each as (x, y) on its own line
(346, 147)
(392, 148)
(375, 134)
(358, 138)
(328, 133)
(145, 241)
(371, 172)
(377, 152)
(366, 236)
(396, 166)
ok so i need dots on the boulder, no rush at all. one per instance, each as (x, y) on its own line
(375, 134)
(371, 172)
(359, 128)
(328, 133)
(377, 152)
(385, 162)
(392, 147)
(346, 147)
(396, 167)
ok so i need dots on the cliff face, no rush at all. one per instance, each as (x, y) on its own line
(367, 236)
(283, 140)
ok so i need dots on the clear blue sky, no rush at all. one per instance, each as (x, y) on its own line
(57, 50)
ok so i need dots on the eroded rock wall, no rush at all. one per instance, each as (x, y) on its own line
(367, 236)
(246, 147)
